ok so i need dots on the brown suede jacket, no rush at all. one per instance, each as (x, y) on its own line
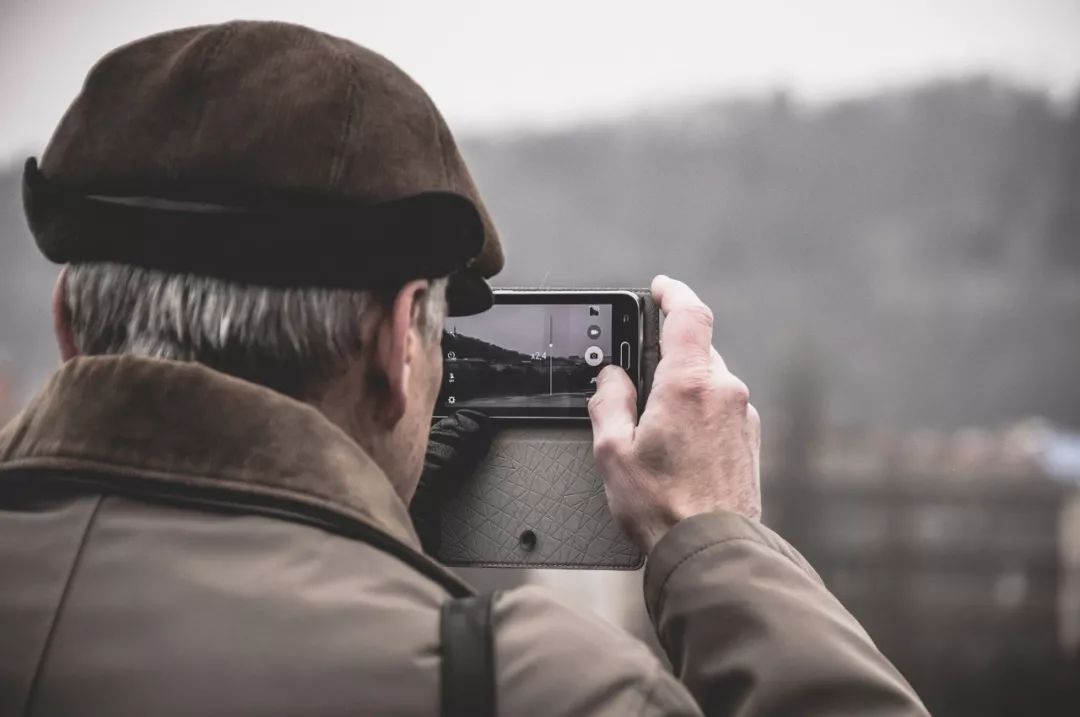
(175, 542)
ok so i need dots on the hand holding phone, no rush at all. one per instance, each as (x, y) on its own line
(696, 446)
(537, 499)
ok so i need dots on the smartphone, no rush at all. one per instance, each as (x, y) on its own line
(537, 353)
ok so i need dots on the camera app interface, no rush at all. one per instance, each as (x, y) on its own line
(525, 356)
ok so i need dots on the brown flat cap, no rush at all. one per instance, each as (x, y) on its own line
(266, 153)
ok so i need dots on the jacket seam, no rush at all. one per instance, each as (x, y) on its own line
(241, 490)
(661, 596)
(32, 693)
(181, 471)
(186, 473)
(647, 695)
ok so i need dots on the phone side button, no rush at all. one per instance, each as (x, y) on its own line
(624, 355)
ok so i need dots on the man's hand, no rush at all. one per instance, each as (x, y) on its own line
(696, 448)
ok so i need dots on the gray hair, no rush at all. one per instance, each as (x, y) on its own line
(291, 339)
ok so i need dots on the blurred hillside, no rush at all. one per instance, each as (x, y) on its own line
(920, 247)
(918, 251)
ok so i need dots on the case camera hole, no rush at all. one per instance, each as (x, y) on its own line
(527, 540)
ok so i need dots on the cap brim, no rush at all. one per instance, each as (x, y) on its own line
(468, 293)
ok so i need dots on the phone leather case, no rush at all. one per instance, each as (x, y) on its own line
(537, 499)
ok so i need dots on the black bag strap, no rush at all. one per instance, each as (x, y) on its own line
(468, 657)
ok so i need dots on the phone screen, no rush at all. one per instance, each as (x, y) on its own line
(537, 354)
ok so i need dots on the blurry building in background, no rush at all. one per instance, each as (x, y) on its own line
(959, 554)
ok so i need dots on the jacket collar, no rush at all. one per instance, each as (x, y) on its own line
(185, 423)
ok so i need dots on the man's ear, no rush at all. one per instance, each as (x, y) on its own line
(397, 343)
(65, 338)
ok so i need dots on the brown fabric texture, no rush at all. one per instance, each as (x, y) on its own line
(259, 114)
(133, 604)
(188, 423)
(751, 630)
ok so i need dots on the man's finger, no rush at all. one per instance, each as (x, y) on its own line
(613, 410)
(688, 322)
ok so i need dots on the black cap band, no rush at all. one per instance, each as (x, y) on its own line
(296, 243)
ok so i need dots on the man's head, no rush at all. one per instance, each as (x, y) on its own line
(368, 360)
(276, 203)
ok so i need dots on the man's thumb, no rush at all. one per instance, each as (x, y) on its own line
(613, 411)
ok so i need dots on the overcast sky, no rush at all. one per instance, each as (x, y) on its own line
(505, 63)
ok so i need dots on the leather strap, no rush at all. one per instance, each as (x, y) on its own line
(468, 657)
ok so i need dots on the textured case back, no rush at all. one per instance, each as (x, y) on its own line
(537, 500)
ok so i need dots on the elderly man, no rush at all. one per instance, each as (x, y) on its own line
(204, 512)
